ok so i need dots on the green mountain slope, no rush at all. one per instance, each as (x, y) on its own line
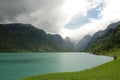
(25, 37)
(106, 44)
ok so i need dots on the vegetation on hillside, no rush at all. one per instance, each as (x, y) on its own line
(19, 37)
(108, 43)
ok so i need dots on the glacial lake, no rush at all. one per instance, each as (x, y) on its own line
(14, 66)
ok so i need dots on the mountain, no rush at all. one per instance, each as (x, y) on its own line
(82, 44)
(88, 40)
(102, 33)
(108, 43)
(60, 43)
(20, 37)
(70, 45)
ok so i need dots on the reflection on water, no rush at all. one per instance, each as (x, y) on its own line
(19, 65)
(26, 60)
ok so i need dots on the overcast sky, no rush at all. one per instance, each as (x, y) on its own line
(73, 18)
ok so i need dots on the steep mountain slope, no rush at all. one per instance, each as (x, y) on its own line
(82, 44)
(70, 45)
(102, 33)
(107, 43)
(19, 37)
(87, 42)
(60, 43)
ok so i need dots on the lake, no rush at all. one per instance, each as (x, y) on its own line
(14, 66)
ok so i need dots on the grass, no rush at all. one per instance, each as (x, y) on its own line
(107, 71)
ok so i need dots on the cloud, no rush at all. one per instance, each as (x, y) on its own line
(103, 14)
(50, 15)
(92, 12)
(44, 14)
(10, 9)
(81, 17)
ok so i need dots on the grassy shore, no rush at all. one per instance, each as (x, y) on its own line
(107, 71)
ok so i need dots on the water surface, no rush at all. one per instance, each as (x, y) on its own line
(14, 66)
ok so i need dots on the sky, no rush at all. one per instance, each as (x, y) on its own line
(73, 18)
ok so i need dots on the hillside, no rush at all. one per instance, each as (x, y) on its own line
(110, 42)
(83, 43)
(88, 40)
(19, 37)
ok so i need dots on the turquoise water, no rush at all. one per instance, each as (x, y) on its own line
(14, 66)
